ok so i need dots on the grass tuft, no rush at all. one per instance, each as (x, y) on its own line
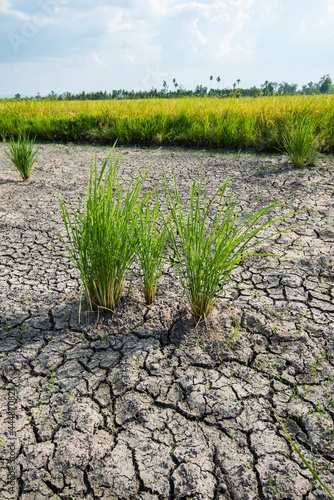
(22, 153)
(152, 235)
(300, 142)
(210, 242)
(101, 236)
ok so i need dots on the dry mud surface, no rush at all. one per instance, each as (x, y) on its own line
(145, 404)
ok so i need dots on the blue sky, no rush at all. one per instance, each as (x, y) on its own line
(72, 45)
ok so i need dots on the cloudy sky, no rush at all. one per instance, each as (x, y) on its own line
(75, 45)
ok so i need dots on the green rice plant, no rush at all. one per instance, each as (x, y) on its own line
(152, 238)
(313, 471)
(188, 121)
(101, 236)
(207, 252)
(300, 142)
(22, 153)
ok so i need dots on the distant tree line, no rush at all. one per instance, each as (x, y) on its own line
(324, 86)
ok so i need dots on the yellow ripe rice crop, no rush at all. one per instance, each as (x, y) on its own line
(192, 122)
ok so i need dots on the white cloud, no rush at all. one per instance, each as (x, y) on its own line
(95, 58)
(168, 8)
(319, 24)
(224, 48)
(118, 22)
(233, 11)
(330, 6)
(218, 35)
(198, 34)
(16, 14)
(236, 52)
(137, 43)
(43, 12)
(4, 7)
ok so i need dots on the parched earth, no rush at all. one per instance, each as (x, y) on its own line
(145, 404)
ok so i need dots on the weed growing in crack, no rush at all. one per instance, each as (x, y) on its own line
(60, 447)
(173, 449)
(63, 419)
(277, 492)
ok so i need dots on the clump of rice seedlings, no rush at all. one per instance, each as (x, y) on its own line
(101, 238)
(211, 240)
(300, 142)
(152, 234)
(22, 153)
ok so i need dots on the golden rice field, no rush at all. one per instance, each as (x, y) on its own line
(191, 122)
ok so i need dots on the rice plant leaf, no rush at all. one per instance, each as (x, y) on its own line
(315, 475)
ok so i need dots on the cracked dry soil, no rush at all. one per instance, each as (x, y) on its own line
(144, 404)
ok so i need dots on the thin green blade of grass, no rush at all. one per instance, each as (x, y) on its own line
(314, 473)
